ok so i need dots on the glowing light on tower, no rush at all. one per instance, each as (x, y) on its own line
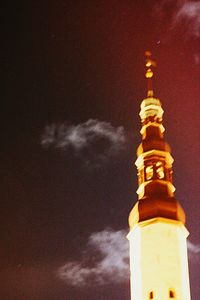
(158, 249)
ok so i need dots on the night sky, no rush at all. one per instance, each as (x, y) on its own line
(73, 80)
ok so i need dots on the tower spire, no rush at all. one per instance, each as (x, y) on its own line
(149, 73)
(158, 249)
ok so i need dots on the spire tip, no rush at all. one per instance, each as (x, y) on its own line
(149, 63)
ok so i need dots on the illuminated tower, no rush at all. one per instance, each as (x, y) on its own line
(158, 250)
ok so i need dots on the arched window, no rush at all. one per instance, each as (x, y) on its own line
(141, 176)
(171, 294)
(151, 295)
(149, 172)
(160, 170)
(170, 174)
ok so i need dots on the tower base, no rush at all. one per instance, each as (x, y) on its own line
(158, 260)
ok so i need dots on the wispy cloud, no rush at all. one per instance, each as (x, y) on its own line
(192, 248)
(183, 14)
(93, 140)
(105, 260)
(160, 7)
(197, 58)
(111, 248)
(193, 252)
(188, 15)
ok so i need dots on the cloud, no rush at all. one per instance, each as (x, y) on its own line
(193, 252)
(188, 15)
(160, 7)
(197, 58)
(192, 248)
(182, 14)
(94, 140)
(111, 266)
(105, 260)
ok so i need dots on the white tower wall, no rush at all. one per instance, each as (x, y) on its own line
(158, 260)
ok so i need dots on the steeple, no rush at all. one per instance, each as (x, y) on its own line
(154, 162)
(158, 249)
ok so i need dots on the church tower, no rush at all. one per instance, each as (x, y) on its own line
(158, 248)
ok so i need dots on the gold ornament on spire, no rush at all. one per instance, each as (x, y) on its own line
(149, 73)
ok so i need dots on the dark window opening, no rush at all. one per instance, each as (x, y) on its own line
(171, 294)
(151, 295)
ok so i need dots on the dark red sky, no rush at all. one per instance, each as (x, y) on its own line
(68, 62)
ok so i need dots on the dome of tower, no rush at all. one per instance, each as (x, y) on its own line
(156, 207)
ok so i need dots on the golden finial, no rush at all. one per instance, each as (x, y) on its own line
(149, 73)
